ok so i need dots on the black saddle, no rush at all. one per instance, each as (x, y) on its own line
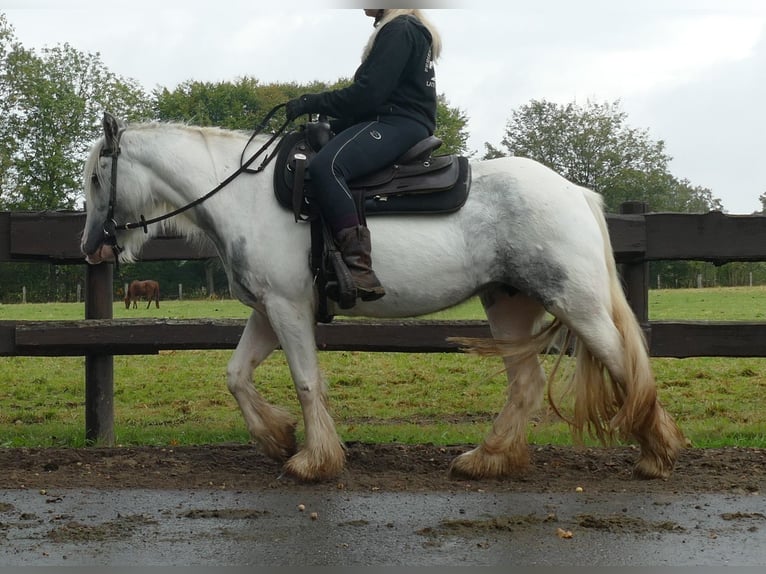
(417, 182)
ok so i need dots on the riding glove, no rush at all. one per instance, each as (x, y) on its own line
(305, 104)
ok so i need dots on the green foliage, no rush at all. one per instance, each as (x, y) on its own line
(243, 104)
(451, 128)
(240, 105)
(592, 145)
(43, 282)
(50, 113)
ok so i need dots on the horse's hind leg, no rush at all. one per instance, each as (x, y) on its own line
(626, 401)
(271, 427)
(504, 450)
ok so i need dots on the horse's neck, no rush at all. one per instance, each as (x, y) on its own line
(190, 162)
(183, 156)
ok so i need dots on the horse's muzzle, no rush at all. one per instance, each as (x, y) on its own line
(104, 253)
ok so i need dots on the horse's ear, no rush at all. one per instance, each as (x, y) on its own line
(112, 129)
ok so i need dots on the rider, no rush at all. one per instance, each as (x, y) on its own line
(389, 107)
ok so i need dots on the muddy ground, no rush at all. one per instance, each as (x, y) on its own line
(394, 468)
(393, 505)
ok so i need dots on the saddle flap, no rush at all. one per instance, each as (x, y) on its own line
(411, 171)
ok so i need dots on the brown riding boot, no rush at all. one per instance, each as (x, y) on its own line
(354, 244)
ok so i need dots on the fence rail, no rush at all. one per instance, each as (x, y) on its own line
(637, 238)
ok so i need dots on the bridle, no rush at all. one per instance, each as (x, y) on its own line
(113, 151)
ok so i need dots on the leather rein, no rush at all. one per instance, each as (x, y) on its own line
(110, 225)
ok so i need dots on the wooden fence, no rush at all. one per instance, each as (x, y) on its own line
(637, 238)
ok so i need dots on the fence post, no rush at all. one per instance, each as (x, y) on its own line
(99, 369)
(635, 276)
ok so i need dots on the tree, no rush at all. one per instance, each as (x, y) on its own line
(51, 112)
(51, 105)
(451, 127)
(491, 152)
(243, 104)
(592, 145)
(233, 105)
(762, 199)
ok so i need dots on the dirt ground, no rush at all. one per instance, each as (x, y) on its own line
(390, 467)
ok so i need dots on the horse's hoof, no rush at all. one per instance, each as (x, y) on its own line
(308, 467)
(659, 448)
(650, 468)
(478, 464)
(278, 450)
(280, 445)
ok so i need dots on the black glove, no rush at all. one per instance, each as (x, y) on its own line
(305, 104)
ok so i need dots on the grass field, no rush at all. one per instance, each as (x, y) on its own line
(180, 397)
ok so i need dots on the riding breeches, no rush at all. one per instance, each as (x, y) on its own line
(355, 152)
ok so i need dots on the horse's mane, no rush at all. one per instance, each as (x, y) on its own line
(205, 131)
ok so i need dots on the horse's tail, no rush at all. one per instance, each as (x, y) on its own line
(625, 404)
(629, 404)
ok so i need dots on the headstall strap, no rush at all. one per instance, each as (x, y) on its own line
(110, 225)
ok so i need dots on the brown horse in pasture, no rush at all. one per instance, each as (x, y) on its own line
(137, 289)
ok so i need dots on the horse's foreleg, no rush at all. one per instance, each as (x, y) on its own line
(271, 427)
(323, 455)
(504, 451)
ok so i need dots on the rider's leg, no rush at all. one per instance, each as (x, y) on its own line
(355, 152)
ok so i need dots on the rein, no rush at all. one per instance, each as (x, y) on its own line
(111, 226)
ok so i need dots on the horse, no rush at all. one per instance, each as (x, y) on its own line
(137, 289)
(526, 242)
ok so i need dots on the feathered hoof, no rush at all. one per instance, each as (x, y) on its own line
(281, 444)
(658, 462)
(659, 449)
(478, 463)
(652, 465)
(650, 468)
(316, 465)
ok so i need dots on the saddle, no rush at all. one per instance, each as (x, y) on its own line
(417, 183)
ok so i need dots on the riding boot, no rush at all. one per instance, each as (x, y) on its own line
(355, 246)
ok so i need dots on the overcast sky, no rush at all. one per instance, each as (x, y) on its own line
(692, 72)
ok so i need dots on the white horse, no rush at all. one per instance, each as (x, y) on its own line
(526, 241)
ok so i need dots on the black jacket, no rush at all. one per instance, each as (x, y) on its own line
(396, 78)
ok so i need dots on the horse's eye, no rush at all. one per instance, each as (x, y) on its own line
(94, 179)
